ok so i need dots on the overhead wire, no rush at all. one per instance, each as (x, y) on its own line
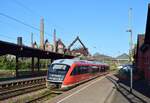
(8, 37)
(27, 8)
(21, 22)
(25, 40)
(11, 38)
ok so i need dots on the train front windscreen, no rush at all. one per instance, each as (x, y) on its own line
(57, 72)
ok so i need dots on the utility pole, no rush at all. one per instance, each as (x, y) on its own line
(131, 47)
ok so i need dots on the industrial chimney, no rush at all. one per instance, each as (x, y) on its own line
(42, 34)
(54, 39)
(32, 40)
(19, 40)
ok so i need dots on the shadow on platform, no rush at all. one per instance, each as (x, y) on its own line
(139, 86)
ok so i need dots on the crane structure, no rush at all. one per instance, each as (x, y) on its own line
(78, 51)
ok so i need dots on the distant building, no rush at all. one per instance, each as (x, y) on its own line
(35, 45)
(48, 46)
(60, 47)
(79, 52)
(123, 59)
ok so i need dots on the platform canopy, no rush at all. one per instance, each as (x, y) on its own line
(25, 51)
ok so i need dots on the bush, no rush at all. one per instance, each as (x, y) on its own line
(7, 63)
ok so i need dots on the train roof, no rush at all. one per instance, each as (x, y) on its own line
(64, 61)
(71, 61)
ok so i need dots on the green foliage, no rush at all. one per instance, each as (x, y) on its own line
(113, 65)
(8, 62)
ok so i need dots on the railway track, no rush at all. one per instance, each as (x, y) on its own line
(8, 92)
(4, 95)
(4, 85)
(45, 96)
(17, 87)
(19, 91)
(53, 91)
(16, 93)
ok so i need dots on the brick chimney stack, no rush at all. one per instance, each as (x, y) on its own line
(54, 39)
(42, 34)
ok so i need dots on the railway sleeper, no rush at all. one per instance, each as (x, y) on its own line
(22, 83)
(12, 93)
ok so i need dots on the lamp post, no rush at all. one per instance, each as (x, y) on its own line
(130, 58)
(130, 51)
(131, 45)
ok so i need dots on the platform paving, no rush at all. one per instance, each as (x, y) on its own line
(95, 91)
(140, 92)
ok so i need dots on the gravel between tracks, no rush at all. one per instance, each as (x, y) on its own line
(25, 97)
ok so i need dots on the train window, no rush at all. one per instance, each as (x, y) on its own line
(59, 68)
(94, 69)
(102, 68)
(90, 69)
(85, 69)
(62, 67)
(75, 71)
(80, 70)
(99, 68)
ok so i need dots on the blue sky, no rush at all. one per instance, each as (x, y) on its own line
(100, 24)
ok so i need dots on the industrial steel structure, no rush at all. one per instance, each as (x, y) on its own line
(83, 51)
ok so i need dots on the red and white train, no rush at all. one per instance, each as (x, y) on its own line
(65, 73)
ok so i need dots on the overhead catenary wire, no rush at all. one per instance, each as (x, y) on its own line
(10, 37)
(11, 26)
(27, 8)
(21, 22)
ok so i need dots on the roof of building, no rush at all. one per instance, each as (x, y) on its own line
(147, 32)
(60, 42)
(123, 56)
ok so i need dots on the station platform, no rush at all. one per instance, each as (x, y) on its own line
(98, 90)
(140, 92)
